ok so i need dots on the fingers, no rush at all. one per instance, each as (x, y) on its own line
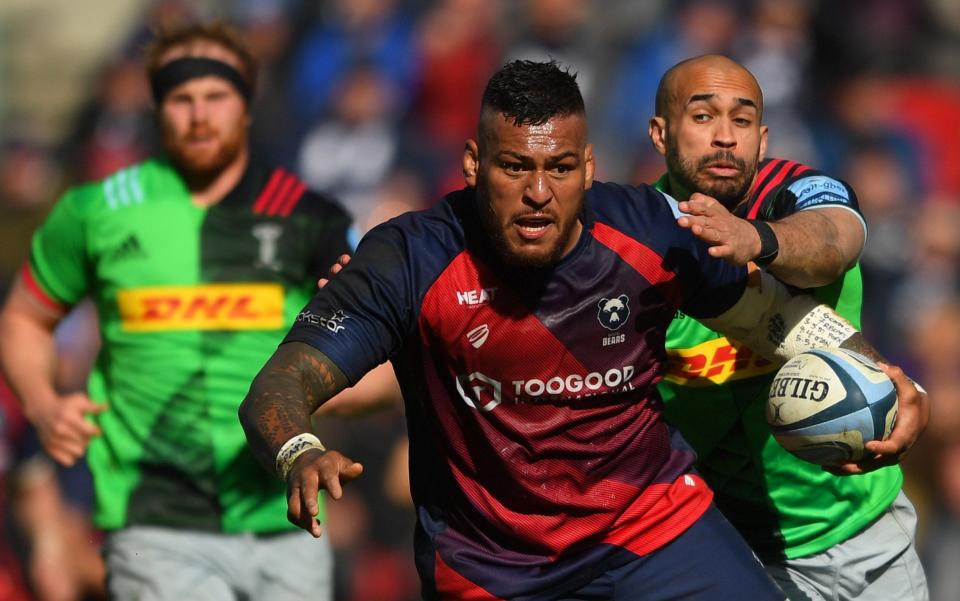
(300, 511)
(701, 204)
(312, 472)
(66, 432)
(912, 415)
(336, 268)
(342, 262)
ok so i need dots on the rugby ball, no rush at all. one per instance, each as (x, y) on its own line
(825, 404)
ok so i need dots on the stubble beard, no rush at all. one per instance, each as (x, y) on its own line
(200, 169)
(523, 262)
(729, 192)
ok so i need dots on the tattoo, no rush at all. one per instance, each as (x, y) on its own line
(291, 386)
(858, 344)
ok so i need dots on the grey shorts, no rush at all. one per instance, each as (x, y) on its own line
(880, 563)
(156, 564)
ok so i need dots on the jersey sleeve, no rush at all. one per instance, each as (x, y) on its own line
(59, 261)
(707, 286)
(364, 314)
(811, 192)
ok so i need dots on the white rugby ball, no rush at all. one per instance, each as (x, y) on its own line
(825, 404)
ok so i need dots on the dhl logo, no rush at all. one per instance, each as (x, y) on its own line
(202, 307)
(715, 362)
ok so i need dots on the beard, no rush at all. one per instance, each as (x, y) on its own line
(728, 191)
(204, 166)
(527, 263)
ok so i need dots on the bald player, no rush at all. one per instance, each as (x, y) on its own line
(821, 535)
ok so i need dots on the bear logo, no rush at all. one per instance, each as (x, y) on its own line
(613, 312)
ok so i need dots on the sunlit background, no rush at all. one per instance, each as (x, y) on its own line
(371, 100)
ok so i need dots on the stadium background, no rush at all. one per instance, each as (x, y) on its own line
(371, 100)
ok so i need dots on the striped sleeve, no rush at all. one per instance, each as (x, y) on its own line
(58, 273)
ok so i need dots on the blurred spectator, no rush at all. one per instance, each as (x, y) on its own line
(935, 342)
(351, 153)
(885, 192)
(942, 549)
(777, 50)
(695, 28)
(557, 30)
(459, 49)
(116, 129)
(50, 52)
(932, 273)
(13, 429)
(350, 32)
(269, 27)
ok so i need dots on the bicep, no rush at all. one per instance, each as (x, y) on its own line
(24, 309)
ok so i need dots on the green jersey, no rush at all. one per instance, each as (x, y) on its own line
(192, 302)
(715, 392)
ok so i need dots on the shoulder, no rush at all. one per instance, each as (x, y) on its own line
(632, 208)
(438, 230)
(785, 186)
(126, 187)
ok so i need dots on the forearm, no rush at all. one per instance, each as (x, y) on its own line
(816, 246)
(291, 386)
(376, 391)
(780, 325)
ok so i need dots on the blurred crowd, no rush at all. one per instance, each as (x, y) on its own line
(371, 100)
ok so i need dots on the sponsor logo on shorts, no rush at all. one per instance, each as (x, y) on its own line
(202, 307)
(715, 362)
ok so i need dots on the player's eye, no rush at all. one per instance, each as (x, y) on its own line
(511, 167)
(701, 117)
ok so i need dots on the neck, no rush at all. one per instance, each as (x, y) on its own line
(208, 191)
(678, 190)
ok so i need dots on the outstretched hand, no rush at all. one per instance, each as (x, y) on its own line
(913, 413)
(730, 238)
(342, 261)
(312, 471)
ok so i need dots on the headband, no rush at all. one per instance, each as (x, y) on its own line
(178, 71)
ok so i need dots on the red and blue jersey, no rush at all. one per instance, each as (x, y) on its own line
(538, 452)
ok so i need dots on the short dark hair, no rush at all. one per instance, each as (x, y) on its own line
(532, 93)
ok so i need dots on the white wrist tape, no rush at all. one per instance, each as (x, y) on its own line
(293, 448)
(779, 325)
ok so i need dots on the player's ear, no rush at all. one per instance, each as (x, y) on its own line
(471, 163)
(589, 166)
(763, 142)
(657, 130)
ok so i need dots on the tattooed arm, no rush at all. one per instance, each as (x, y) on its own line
(291, 386)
